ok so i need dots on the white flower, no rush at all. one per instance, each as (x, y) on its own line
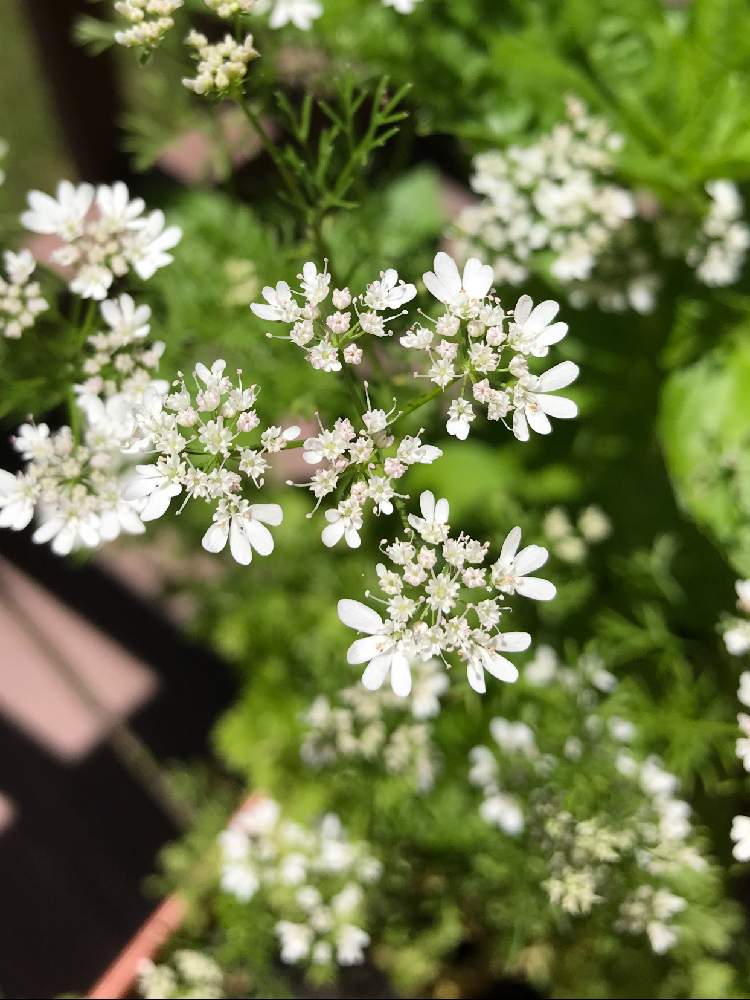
(460, 415)
(351, 942)
(18, 496)
(154, 487)
(244, 524)
(402, 6)
(737, 638)
(388, 292)
(455, 290)
(534, 405)
(300, 13)
(504, 812)
(532, 331)
(63, 216)
(280, 305)
(433, 524)
(295, 941)
(510, 572)
(379, 648)
(345, 522)
(148, 248)
(740, 834)
(481, 658)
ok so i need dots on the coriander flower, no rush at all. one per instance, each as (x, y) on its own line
(300, 13)
(222, 66)
(534, 404)
(199, 434)
(429, 607)
(244, 524)
(510, 572)
(461, 293)
(104, 233)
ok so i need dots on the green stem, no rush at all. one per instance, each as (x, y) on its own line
(268, 144)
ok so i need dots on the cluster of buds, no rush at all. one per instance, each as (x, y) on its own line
(222, 66)
(21, 300)
(148, 22)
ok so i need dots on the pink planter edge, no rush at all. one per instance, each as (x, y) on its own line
(119, 978)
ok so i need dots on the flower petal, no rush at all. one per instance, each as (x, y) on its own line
(377, 671)
(558, 377)
(215, 538)
(536, 588)
(358, 616)
(400, 675)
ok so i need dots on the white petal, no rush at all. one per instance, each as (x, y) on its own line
(522, 310)
(358, 616)
(376, 671)
(259, 536)
(215, 538)
(558, 377)
(538, 421)
(499, 666)
(427, 505)
(446, 272)
(363, 650)
(536, 588)
(268, 513)
(400, 675)
(558, 406)
(510, 545)
(529, 559)
(333, 533)
(239, 543)
(442, 510)
(520, 427)
(477, 279)
(268, 313)
(542, 316)
(475, 675)
(513, 642)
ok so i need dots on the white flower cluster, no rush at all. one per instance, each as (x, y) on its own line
(649, 910)
(104, 233)
(584, 854)
(230, 8)
(364, 465)
(570, 542)
(327, 338)
(428, 613)
(360, 725)
(202, 437)
(188, 974)
(555, 197)
(492, 358)
(21, 300)
(120, 360)
(74, 487)
(312, 879)
(148, 21)
(222, 66)
(719, 250)
(736, 631)
(302, 13)
(477, 359)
